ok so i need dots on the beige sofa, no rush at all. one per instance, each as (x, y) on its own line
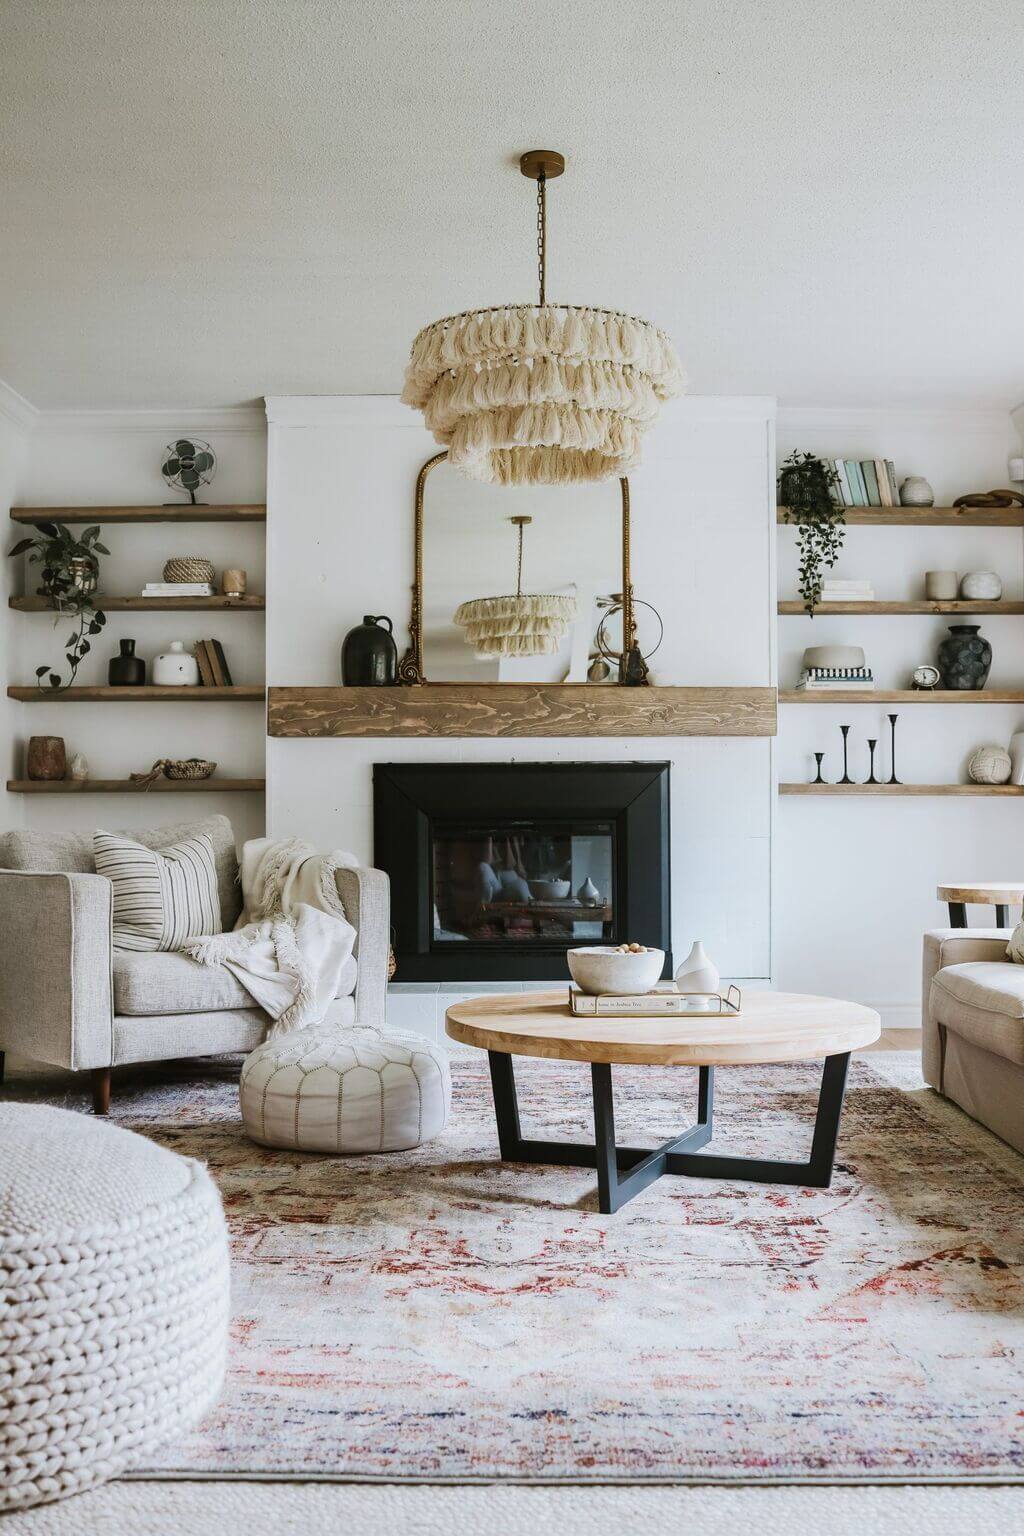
(68, 998)
(973, 1021)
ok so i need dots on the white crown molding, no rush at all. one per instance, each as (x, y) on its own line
(364, 410)
(166, 424)
(16, 408)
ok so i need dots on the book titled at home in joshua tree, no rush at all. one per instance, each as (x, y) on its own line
(638, 1005)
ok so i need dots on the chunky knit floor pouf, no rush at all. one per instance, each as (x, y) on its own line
(346, 1090)
(113, 1300)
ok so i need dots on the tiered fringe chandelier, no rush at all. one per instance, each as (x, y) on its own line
(530, 624)
(541, 394)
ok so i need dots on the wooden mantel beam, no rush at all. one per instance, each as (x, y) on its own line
(521, 709)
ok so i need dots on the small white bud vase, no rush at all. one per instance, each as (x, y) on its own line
(176, 667)
(588, 893)
(697, 973)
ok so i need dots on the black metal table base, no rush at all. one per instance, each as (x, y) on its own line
(623, 1172)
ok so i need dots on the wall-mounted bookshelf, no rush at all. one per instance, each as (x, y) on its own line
(255, 512)
(150, 694)
(1004, 790)
(928, 517)
(213, 786)
(251, 603)
(793, 606)
(901, 696)
(248, 604)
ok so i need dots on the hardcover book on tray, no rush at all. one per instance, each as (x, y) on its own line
(663, 1002)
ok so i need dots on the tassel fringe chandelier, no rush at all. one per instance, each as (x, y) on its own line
(530, 624)
(541, 394)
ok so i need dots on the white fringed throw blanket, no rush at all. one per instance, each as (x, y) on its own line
(293, 938)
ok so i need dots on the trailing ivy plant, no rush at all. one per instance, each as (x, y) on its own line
(70, 572)
(806, 486)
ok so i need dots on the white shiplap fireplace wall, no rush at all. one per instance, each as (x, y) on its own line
(341, 473)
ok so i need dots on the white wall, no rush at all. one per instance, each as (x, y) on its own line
(96, 458)
(856, 877)
(341, 474)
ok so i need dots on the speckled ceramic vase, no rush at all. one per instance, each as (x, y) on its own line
(965, 658)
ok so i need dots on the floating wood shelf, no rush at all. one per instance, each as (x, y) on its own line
(148, 694)
(901, 789)
(521, 709)
(128, 787)
(903, 696)
(794, 606)
(248, 604)
(255, 512)
(929, 517)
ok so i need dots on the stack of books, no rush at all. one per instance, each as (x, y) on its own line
(827, 679)
(866, 483)
(177, 589)
(213, 666)
(835, 590)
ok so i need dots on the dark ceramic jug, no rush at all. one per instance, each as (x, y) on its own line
(126, 670)
(965, 658)
(369, 657)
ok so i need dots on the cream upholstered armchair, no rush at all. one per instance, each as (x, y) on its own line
(68, 998)
(972, 1009)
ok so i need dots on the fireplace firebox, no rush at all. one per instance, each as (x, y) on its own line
(498, 868)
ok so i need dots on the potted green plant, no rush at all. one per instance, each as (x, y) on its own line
(807, 488)
(69, 578)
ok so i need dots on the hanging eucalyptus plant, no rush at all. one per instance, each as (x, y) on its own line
(806, 486)
(69, 577)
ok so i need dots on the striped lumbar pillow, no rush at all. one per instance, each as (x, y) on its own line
(162, 898)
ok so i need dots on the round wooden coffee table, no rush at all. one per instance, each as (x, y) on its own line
(773, 1026)
(1001, 894)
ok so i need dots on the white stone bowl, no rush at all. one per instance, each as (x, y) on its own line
(600, 968)
(549, 890)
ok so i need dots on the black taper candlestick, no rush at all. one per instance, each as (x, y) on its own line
(872, 744)
(846, 772)
(892, 779)
(818, 759)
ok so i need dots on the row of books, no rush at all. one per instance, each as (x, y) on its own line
(865, 483)
(177, 589)
(829, 679)
(837, 590)
(213, 667)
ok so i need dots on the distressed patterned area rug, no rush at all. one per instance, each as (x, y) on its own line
(435, 1315)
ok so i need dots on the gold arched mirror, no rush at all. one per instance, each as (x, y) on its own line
(552, 561)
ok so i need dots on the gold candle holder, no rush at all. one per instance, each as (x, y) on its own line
(233, 583)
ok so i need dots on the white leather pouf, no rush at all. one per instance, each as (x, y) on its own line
(354, 1090)
(114, 1290)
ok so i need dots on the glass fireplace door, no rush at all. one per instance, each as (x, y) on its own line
(534, 884)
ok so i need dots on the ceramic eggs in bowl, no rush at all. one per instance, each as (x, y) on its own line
(620, 970)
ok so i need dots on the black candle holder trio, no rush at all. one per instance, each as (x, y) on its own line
(872, 744)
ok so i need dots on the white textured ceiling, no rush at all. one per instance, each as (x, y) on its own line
(203, 201)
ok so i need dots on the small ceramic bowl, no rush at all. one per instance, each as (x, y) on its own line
(600, 968)
(549, 890)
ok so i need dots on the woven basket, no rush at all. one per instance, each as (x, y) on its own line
(188, 568)
(175, 768)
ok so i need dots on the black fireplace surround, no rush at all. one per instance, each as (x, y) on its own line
(497, 868)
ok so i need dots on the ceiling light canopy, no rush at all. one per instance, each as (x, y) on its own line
(541, 394)
(527, 624)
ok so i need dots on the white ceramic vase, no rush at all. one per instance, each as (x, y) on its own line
(1017, 758)
(588, 893)
(981, 587)
(916, 492)
(176, 668)
(697, 973)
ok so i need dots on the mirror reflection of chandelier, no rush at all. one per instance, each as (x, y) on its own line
(530, 394)
(526, 624)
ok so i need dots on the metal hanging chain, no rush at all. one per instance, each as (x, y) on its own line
(542, 232)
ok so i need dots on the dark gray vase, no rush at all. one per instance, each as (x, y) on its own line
(965, 658)
(126, 670)
(369, 656)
